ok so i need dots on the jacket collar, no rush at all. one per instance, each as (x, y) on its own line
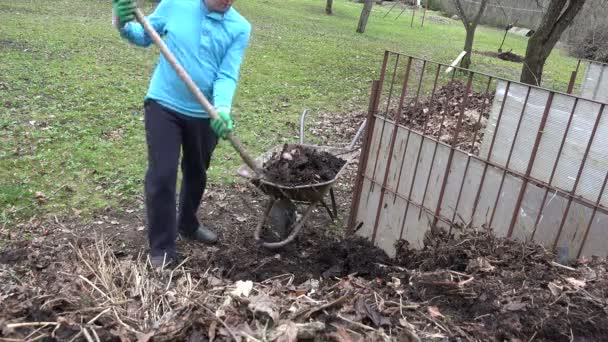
(212, 14)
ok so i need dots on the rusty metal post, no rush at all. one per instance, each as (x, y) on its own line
(504, 172)
(539, 135)
(487, 160)
(466, 168)
(578, 175)
(390, 94)
(391, 148)
(597, 204)
(364, 156)
(463, 106)
(427, 119)
(557, 159)
(573, 77)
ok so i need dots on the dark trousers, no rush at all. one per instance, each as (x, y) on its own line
(167, 133)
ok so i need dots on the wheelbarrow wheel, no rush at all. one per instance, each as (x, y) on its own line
(282, 217)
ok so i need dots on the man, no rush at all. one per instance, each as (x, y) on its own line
(209, 39)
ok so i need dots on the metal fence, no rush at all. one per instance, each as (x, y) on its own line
(594, 83)
(450, 147)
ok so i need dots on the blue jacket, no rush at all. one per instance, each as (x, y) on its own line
(210, 46)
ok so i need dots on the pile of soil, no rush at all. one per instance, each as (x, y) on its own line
(502, 290)
(445, 106)
(505, 56)
(510, 56)
(300, 165)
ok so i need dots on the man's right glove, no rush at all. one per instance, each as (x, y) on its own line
(124, 10)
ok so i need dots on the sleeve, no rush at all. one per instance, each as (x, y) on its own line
(134, 32)
(224, 86)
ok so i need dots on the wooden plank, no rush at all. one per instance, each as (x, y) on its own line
(550, 220)
(598, 237)
(409, 165)
(487, 197)
(389, 227)
(367, 210)
(453, 185)
(571, 237)
(530, 208)
(506, 204)
(437, 173)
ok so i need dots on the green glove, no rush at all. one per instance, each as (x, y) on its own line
(124, 10)
(223, 125)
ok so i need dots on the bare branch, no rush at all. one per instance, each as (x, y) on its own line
(461, 12)
(482, 8)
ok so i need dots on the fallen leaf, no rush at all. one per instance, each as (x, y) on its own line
(76, 212)
(434, 312)
(287, 332)
(145, 337)
(263, 304)
(366, 309)
(576, 282)
(241, 218)
(211, 332)
(40, 197)
(555, 289)
(515, 306)
(341, 335)
(243, 288)
(480, 264)
(140, 228)
(114, 222)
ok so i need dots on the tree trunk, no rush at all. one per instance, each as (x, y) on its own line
(367, 9)
(328, 6)
(534, 62)
(558, 16)
(468, 47)
(470, 25)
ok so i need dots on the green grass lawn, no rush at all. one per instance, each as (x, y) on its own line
(71, 90)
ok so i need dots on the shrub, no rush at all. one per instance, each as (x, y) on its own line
(594, 45)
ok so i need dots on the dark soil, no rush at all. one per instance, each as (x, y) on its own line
(300, 165)
(503, 290)
(438, 116)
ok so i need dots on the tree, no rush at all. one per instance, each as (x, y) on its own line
(470, 25)
(328, 6)
(367, 9)
(559, 15)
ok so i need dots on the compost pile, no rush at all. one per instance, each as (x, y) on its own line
(510, 56)
(301, 165)
(472, 288)
(438, 115)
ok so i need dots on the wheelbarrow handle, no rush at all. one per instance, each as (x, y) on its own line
(236, 143)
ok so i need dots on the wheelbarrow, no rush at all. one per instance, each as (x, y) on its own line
(280, 208)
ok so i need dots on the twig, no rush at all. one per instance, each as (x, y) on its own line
(221, 321)
(123, 323)
(95, 335)
(309, 312)
(30, 324)
(360, 325)
(563, 266)
(87, 335)
(97, 317)
(96, 288)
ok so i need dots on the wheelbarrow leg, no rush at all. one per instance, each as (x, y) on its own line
(333, 201)
(296, 229)
(331, 215)
(258, 229)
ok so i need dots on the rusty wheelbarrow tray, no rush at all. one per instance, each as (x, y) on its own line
(310, 194)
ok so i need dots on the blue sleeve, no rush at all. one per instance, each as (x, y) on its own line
(134, 32)
(225, 84)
